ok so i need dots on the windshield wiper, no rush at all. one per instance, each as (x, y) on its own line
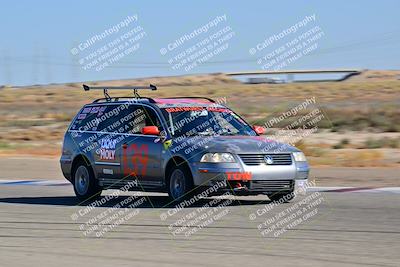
(206, 133)
(228, 133)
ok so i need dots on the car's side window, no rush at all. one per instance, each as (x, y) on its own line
(115, 119)
(132, 119)
(87, 119)
(140, 116)
(151, 118)
(110, 119)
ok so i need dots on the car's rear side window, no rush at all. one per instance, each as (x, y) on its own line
(122, 118)
(87, 119)
(110, 120)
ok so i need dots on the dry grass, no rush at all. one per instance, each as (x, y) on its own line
(33, 116)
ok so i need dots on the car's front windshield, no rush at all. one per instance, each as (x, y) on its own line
(207, 121)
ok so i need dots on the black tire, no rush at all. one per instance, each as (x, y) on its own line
(84, 181)
(282, 197)
(180, 183)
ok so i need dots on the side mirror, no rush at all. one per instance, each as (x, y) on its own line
(259, 129)
(150, 130)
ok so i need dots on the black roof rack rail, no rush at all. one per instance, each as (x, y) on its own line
(106, 88)
(117, 98)
(190, 97)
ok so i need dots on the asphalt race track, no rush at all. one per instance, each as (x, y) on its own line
(39, 226)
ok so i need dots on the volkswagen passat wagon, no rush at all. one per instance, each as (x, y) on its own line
(177, 145)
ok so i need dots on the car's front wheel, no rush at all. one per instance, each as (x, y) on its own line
(180, 183)
(85, 185)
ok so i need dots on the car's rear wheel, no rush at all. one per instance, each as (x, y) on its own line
(180, 183)
(282, 197)
(85, 185)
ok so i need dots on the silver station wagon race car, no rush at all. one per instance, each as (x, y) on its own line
(177, 145)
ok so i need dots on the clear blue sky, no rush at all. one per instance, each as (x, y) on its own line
(37, 36)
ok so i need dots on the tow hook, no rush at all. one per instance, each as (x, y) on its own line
(238, 187)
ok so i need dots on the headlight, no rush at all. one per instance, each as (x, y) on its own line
(217, 157)
(299, 156)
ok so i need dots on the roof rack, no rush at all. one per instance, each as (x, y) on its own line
(118, 98)
(106, 88)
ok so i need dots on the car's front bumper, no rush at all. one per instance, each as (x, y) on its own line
(248, 180)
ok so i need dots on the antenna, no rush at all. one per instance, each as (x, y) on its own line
(106, 88)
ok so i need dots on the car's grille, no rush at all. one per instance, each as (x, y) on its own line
(272, 185)
(259, 159)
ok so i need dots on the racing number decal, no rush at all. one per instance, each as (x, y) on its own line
(134, 160)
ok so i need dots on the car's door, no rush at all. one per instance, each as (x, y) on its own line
(141, 154)
(109, 139)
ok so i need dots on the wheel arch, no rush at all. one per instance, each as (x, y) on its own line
(77, 159)
(173, 162)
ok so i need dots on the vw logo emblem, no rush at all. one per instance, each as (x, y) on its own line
(269, 160)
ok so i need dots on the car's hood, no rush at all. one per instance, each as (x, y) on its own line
(234, 144)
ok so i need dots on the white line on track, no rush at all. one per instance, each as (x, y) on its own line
(336, 189)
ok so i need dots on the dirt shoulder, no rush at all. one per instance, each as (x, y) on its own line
(358, 177)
